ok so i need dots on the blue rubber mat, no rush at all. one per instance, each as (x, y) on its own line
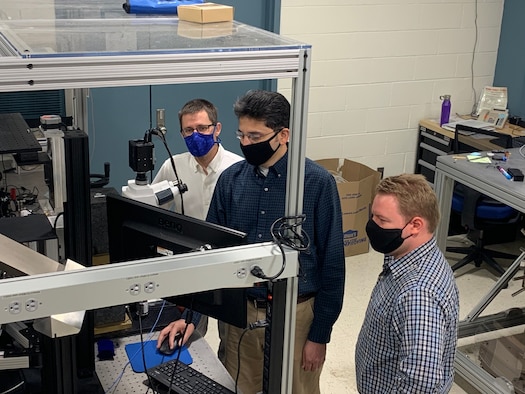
(152, 355)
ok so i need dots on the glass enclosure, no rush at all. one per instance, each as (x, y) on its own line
(104, 29)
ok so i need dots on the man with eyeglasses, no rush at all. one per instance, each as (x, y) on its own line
(199, 169)
(250, 196)
(206, 159)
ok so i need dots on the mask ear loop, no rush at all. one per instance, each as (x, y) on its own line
(218, 140)
(404, 228)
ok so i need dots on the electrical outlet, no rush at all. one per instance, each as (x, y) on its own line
(15, 308)
(149, 287)
(31, 305)
(242, 273)
(134, 289)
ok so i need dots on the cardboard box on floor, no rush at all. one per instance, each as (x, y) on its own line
(205, 13)
(356, 184)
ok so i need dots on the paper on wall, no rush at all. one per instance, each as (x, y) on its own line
(492, 98)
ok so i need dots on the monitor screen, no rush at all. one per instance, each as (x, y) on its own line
(137, 230)
(502, 139)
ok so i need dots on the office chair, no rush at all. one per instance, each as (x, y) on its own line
(482, 213)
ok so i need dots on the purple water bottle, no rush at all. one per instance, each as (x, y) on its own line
(445, 109)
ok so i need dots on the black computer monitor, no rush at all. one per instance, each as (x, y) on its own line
(503, 140)
(137, 230)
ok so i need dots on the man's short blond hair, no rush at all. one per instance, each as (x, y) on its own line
(415, 197)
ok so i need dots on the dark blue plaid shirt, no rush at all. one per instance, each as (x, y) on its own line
(248, 201)
(408, 340)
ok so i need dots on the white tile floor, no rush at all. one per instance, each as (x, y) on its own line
(338, 375)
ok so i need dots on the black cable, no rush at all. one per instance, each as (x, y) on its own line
(179, 183)
(119, 378)
(55, 223)
(239, 359)
(147, 135)
(188, 319)
(280, 230)
(251, 326)
(56, 220)
(29, 197)
(259, 273)
(37, 192)
(161, 135)
(144, 357)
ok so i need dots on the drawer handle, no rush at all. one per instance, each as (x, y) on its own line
(434, 138)
(432, 149)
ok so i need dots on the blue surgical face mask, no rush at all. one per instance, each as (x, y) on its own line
(199, 144)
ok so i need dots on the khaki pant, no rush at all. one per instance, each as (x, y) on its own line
(252, 352)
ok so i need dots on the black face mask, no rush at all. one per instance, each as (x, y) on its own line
(384, 240)
(259, 153)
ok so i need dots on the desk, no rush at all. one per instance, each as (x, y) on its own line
(434, 141)
(204, 360)
(481, 177)
(487, 180)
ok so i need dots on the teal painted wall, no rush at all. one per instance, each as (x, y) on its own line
(510, 65)
(117, 115)
(122, 114)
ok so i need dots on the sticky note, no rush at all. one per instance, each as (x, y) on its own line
(479, 159)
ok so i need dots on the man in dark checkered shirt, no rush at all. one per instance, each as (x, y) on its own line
(250, 196)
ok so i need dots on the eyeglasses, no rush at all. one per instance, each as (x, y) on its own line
(202, 128)
(254, 136)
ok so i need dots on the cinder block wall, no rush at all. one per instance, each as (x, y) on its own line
(379, 66)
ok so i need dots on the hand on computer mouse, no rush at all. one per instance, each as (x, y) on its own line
(165, 345)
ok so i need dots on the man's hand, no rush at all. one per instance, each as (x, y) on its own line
(313, 355)
(177, 326)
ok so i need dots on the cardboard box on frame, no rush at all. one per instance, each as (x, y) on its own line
(205, 13)
(204, 31)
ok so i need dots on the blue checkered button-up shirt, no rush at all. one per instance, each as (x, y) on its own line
(408, 339)
(248, 201)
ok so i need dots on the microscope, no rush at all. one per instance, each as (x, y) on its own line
(141, 161)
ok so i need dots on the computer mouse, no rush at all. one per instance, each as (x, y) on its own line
(165, 345)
